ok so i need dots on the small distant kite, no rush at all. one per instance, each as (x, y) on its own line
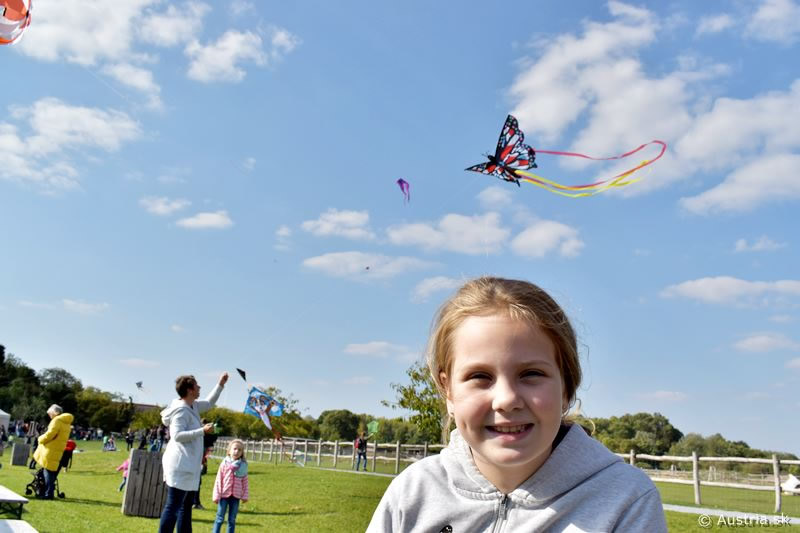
(139, 385)
(372, 427)
(15, 17)
(513, 158)
(406, 188)
(243, 374)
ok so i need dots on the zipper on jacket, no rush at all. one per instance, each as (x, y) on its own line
(502, 511)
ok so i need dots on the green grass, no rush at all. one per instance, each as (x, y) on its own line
(285, 497)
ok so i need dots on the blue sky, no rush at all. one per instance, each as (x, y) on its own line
(187, 188)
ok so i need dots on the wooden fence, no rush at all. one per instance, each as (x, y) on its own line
(311, 452)
(307, 451)
(668, 476)
(145, 491)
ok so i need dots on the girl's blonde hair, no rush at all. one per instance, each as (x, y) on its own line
(518, 299)
(230, 448)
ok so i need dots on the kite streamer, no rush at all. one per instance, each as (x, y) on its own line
(513, 158)
(15, 17)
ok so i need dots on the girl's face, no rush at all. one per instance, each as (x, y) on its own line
(236, 451)
(506, 394)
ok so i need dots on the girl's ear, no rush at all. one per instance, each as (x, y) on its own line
(446, 387)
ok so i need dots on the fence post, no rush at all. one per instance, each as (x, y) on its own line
(275, 444)
(294, 449)
(319, 452)
(261, 451)
(397, 459)
(353, 460)
(632, 459)
(280, 451)
(305, 451)
(335, 453)
(425, 450)
(269, 460)
(696, 478)
(374, 454)
(776, 470)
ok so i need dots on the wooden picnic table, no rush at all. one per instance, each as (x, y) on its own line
(16, 526)
(11, 502)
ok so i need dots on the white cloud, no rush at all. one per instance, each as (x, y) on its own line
(161, 205)
(665, 395)
(715, 23)
(249, 164)
(177, 328)
(358, 380)
(57, 130)
(767, 179)
(139, 79)
(36, 305)
(766, 342)
(283, 42)
(282, 236)
(495, 197)
(84, 32)
(471, 235)
(763, 244)
(349, 224)
(730, 290)
(219, 61)
(543, 237)
(364, 266)
(139, 363)
(239, 7)
(174, 26)
(776, 21)
(215, 220)
(793, 363)
(781, 319)
(379, 349)
(84, 308)
(429, 286)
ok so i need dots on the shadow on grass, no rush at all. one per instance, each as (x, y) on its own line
(90, 502)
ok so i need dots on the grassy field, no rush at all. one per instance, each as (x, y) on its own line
(285, 497)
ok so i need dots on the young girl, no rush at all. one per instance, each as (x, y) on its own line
(125, 466)
(504, 358)
(231, 485)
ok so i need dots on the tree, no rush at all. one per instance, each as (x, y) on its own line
(60, 387)
(337, 425)
(422, 398)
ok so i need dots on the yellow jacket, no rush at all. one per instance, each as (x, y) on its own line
(52, 443)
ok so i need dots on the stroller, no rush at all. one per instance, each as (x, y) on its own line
(37, 486)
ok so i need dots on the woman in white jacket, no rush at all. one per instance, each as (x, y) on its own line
(183, 457)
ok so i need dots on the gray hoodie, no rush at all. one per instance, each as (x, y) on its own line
(183, 457)
(581, 487)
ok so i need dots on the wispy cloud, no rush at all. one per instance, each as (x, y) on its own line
(715, 23)
(177, 328)
(664, 395)
(358, 380)
(162, 206)
(215, 220)
(333, 222)
(471, 235)
(176, 25)
(763, 244)
(362, 266)
(793, 363)
(495, 197)
(84, 308)
(282, 237)
(428, 286)
(139, 363)
(730, 290)
(776, 21)
(766, 342)
(546, 236)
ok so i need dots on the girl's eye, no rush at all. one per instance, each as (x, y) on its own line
(479, 376)
(532, 373)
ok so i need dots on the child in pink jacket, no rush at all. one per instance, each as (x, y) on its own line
(124, 467)
(231, 486)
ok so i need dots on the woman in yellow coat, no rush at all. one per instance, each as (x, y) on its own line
(51, 446)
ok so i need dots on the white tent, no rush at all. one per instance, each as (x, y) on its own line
(5, 418)
(791, 485)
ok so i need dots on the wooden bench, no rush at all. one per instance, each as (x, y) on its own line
(11, 502)
(16, 526)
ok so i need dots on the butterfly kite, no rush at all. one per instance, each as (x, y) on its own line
(406, 188)
(15, 17)
(513, 158)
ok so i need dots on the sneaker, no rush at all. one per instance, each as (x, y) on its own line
(199, 506)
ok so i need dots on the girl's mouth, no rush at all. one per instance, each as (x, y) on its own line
(519, 429)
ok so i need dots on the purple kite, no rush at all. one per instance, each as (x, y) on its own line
(406, 188)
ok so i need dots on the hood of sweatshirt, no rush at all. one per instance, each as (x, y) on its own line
(560, 473)
(64, 419)
(177, 406)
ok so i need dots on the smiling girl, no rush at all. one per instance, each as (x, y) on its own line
(504, 357)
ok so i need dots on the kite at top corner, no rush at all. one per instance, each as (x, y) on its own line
(15, 17)
(513, 158)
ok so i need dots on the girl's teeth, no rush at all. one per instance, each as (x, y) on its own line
(509, 429)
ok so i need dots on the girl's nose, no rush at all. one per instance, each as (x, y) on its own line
(505, 397)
